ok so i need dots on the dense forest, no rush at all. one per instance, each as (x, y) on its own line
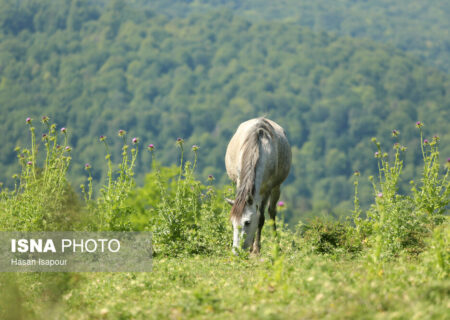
(95, 67)
(419, 27)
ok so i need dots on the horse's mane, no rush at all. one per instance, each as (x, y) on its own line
(250, 157)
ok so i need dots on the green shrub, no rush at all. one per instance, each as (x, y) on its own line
(42, 199)
(185, 216)
(330, 236)
(398, 222)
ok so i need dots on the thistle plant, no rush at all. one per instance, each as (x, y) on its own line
(401, 222)
(111, 210)
(41, 190)
(185, 215)
(431, 196)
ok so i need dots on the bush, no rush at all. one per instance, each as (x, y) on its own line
(330, 236)
(42, 199)
(398, 222)
(185, 216)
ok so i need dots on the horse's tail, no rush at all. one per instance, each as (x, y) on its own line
(250, 157)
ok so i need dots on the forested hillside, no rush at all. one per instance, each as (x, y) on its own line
(418, 27)
(96, 69)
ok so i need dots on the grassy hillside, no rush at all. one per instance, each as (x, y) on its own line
(95, 70)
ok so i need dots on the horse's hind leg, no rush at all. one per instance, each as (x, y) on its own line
(274, 196)
(257, 241)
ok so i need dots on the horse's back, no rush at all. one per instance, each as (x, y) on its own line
(233, 157)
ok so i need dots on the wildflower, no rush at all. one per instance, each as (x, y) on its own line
(419, 124)
(58, 147)
(195, 147)
(63, 130)
(151, 147)
(395, 133)
(403, 148)
(380, 195)
(356, 173)
(436, 138)
(87, 166)
(68, 149)
(425, 141)
(377, 154)
(28, 120)
(280, 204)
(102, 138)
(135, 140)
(122, 133)
(396, 145)
(210, 177)
(448, 163)
(45, 119)
(385, 155)
(44, 136)
(180, 141)
(29, 163)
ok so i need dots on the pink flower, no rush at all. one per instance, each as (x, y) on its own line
(280, 204)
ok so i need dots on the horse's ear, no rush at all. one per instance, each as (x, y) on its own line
(231, 202)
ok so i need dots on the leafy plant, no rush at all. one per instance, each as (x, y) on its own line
(42, 198)
(186, 216)
(400, 222)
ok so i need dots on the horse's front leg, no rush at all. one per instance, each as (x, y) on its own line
(257, 241)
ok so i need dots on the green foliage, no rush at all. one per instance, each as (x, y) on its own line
(98, 68)
(326, 262)
(328, 237)
(413, 26)
(112, 210)
(399, 222)
(185, 216)
(42, 198)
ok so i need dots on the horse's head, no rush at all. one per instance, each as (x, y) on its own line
(245, 224)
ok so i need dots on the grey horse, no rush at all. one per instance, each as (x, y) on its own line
(258, 160)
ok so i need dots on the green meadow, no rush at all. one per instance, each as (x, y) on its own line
(391, 261)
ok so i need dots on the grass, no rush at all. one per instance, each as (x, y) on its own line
(201, 287)
(391, 262)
